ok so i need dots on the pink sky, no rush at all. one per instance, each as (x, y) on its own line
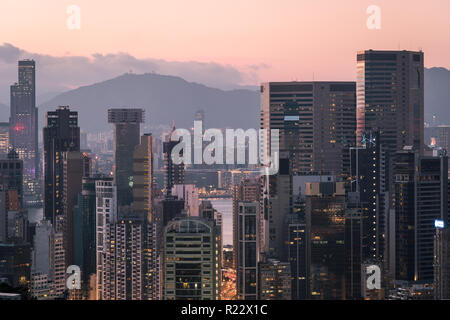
(285, 39)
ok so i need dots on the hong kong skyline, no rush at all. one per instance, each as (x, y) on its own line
(224, 159)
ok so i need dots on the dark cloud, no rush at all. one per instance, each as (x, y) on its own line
(58, 74)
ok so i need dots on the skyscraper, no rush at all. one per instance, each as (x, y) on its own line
(390, 97)
(274, 280)
(442, 261)
(248, 250)
(246, 190)
(174, 173)
(85, 232)
(316, 121)
(420, 197)
(23, 124)
(126, 138)
(368, 170)
(325, 221)
(191, 274)
(60, 135)
(73, 173)
(143, 177)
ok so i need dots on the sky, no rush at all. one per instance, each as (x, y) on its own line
(245, 41)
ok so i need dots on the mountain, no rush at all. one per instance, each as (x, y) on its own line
(167, 98)
(437, 94)
(164, 98)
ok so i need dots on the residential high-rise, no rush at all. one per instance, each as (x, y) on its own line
(316, 121)
(325, 222)
(23, 124)
(127, 265)
(60, 135)
(106, 213)
(390, 97)
(192, 260)
(126, 138)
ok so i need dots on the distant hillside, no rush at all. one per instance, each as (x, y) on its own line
(437, 94)
(165, 98)
(4, 113)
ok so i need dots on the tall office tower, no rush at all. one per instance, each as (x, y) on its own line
(248, 250)
(23, 124)
(325, 222)
(355, 215)
(74, 166)
(274, 280)
(316, 121)
(4, 139)
(420, 198)
(85, 233)
(297, 253)
(442, 261)
(246, 190)
(191, 274)
(143, 177)
(126, 138)
(390, 97)
(60, 135)
(48, 272)
(174, 173)
(106, 212)
(369, 181)
(278, 208)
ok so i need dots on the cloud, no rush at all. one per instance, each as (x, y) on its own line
(58, 74)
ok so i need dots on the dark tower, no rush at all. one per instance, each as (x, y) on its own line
(126, 138)
(60, 135)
